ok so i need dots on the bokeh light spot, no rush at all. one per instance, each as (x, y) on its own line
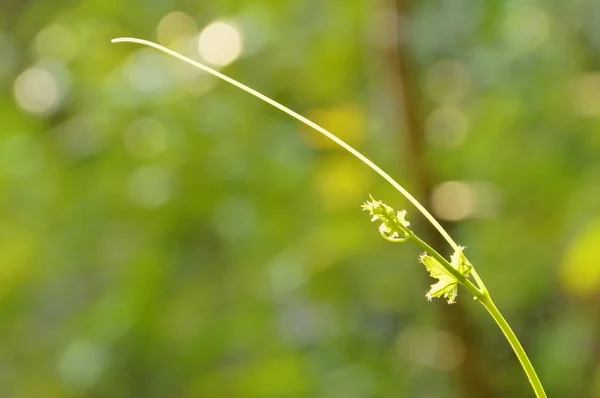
(288, 271)
(175, 26)
(580, 271)
(220, 43)
(586, 95)
(526, 27)
(57, 42)
(348, 121)
(453, 200)
(18, 257)
(80, 137)
(340, 182)
(37, 91)
(151, 186)
(447, 127)
(488, 199)
(351, 380)
(146, 72)
(448, 81)
(145, 138)
(82, 363)
(430, 348)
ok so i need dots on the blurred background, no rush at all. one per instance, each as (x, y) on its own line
(163, 234)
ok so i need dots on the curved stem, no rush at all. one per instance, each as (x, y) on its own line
(483, 295)
(536, 384)
(304, 120)
(479, 291)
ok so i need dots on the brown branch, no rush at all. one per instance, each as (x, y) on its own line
(471, 372)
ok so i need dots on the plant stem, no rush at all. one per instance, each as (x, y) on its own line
(479, 291)
(307, 122)
(536, 384)
(483, 295)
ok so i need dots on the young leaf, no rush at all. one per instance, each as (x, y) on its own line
(447, 284)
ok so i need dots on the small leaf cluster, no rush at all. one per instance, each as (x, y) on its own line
(395, 228)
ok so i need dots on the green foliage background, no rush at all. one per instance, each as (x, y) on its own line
(163, 234)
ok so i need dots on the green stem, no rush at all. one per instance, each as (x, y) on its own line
(307, 122)
(479, 291)
(483, 295)
(536, 384)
